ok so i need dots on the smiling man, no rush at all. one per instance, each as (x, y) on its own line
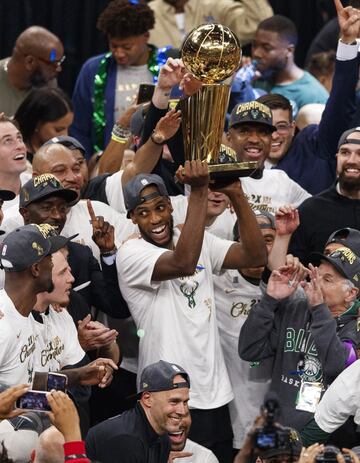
(250, 135)
(166, 274)
(334, 208)
(140, 435)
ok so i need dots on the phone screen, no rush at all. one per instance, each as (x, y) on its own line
(56, 381)
(34, 400)
(145, 93)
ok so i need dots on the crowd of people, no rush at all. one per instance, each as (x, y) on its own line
(147, 312)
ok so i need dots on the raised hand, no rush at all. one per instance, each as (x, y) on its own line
(286, 220)
(349, 22)
(283, 282)
(170, 74)
(312, 288)
(194, 173)
(189, 84)
(168, 125)
(99, 372)
(103, 233)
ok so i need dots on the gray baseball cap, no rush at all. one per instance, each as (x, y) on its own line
(348, 237)
(160, 376)
(67, 141)
(43, 186)
(133, 189)
(345, 137)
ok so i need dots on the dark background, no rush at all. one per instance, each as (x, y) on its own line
(74, 21)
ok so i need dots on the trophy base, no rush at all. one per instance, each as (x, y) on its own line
(224, 174)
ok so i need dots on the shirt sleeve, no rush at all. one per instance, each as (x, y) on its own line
(218, 249)
(340, 401)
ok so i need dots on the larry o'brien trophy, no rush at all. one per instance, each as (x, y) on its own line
(212, 54)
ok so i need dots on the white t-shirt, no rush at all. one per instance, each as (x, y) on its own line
(114, 192)
(18, 344)
(58, 341)
(78, 221)
(200, 454)
(234, 297)
(341, 400)
(24, 177)
(177, 317)
(273, 190)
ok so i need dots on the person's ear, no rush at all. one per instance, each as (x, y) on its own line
(35, 270)
(30, 62)
(25, 214)
(146, 399)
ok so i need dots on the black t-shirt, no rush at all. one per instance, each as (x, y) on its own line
(127, 438)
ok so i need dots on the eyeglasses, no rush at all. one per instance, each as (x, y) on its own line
(283, 127)
(54, 63)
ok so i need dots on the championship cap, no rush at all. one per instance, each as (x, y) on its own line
(344, 261)
(28, 245)
(43, 186)
(253, 112)
(160, 376)
(133, 189)
(348, 237)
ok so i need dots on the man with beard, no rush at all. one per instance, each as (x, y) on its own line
(334, 208)
(165, 274)
(273, 49)
(35, 61)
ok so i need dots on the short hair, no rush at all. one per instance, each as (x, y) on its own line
(40, 106)
(277, 101)
(126, 18)
(322, 63)
(4, 118)
(283, 26)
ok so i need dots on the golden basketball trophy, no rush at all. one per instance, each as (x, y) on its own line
(212, 54)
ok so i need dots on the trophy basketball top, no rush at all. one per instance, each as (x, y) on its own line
(211, 52)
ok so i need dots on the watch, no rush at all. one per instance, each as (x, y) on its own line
(157, 139)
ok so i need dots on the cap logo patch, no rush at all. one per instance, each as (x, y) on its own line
(4, 248)
(254, 105)
(38, 248)
(174, 367)
(144, 385)
(345, 254)
(46, 230)
(144, 181)
(44, 179)
(25, 194)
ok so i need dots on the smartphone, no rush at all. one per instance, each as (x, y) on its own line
(145, 93)
(56, 381)
(34, 400)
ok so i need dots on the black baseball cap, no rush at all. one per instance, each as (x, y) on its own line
(345, 137)
(160, 376)
(41, 187)
(268, 216)
(28, 245)
(133, 189)
(348, 237)
(344, 261)
(253, 112)
(67, 141)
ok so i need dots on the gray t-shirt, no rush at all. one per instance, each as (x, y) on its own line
(10, 97)
(128, 79)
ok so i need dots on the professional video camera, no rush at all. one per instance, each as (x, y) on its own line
(271, 435)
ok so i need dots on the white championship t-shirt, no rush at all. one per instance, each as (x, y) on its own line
(200, 454)
(234, 298)
(58, 341)
(176, 318)
(18, 343)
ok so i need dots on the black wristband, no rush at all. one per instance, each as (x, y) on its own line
(156, 142)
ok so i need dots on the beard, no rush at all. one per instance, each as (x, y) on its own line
(150, 240)
(37, 79)
(350, 185)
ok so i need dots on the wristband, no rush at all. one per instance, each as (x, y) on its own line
(118, 139)
(348, 43)
(156, 142)
(120, 131)
(109, 253)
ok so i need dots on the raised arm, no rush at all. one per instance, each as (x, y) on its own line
(183, 259)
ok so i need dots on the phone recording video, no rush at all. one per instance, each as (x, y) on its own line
(34, 400)
(145, 93)
(57, 382)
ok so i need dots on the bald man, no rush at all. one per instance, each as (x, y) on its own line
(35, 61)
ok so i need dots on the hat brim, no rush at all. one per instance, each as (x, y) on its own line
(69, 195)
(59, 242)
(271, 127)
(7, 195)
(317, 257)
